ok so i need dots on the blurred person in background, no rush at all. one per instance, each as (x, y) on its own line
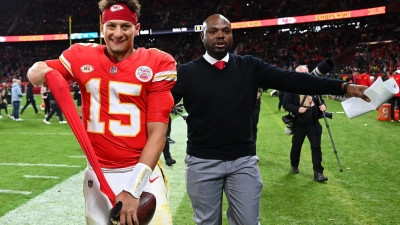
(30, 99)
(386, 76)
(3, 100)
(396, 98)
(44, 91)
(54, 108)
(364, 79)
(78, 98)
(8, 94)
(16, 97)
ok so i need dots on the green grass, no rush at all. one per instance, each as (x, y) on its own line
(366, 192)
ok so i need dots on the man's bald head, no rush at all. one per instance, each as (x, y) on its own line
(217, 36)
(301, 69)
(214, 18)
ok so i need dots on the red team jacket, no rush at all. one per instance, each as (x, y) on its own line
(364, 79)
(118, 99)
(397, 79)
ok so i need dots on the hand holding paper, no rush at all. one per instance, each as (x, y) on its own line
(379, 93)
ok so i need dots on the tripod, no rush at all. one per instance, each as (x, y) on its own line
(330, 135)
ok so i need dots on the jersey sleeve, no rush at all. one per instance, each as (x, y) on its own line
(57, 65)
(160, 101)
(63, 64)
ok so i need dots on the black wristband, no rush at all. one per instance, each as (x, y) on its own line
(345, 89)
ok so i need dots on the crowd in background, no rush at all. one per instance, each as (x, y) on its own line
(300, 44)
(46, 16)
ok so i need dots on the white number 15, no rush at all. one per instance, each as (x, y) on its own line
(115, 89)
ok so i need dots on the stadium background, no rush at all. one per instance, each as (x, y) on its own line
(370, 43)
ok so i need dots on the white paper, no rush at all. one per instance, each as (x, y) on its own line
(379, 92)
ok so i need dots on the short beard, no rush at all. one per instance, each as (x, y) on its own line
(220, 53)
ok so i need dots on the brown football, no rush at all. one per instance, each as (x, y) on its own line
(147, 207)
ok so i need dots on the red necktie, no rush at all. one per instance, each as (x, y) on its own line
(220, 64)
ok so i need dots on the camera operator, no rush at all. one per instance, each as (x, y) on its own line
(307, 110)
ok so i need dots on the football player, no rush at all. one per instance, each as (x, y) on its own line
(126, 102)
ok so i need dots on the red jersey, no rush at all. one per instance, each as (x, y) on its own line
(397, 79)
(364, 79)
(119, 99)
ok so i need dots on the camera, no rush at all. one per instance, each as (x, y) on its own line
(178, 109)
(288, 129)
(327, 115)
(324, 67)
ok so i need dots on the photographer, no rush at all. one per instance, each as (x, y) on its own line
(307, 110)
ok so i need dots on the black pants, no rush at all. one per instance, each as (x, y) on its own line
(55, 109)
(30, 101)
(46, 106)
(166, 152)
(3, 105)
(313, 132)
(281, 96)
(392, 102)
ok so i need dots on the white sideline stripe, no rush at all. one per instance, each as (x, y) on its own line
(15, 192)
(64, 203)
(176, 172)
(45, 165)
(26, 133)
(41, 177)
(339, 112)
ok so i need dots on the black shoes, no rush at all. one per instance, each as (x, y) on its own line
(170, 161)
(295, 170)
(170, 140)
(319, 177)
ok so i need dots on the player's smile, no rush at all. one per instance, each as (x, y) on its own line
(119, 35)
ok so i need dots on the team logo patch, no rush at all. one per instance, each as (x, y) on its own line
(115, 8)
(144, 73)
(90, 183)
(87, 68)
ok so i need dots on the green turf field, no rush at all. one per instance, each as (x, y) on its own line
(41, 166)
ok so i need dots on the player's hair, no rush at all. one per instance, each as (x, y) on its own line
(133, 5)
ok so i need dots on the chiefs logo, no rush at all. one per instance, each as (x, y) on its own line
(144, 73)
(115, 8)
(87, 68)
(286, 20)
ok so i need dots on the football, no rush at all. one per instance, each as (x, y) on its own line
(147, 207)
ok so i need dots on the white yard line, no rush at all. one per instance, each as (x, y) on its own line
(27, 133)
(77, 156)
(64, 203)
(40, 177)
(15, 192)
(29, 164)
